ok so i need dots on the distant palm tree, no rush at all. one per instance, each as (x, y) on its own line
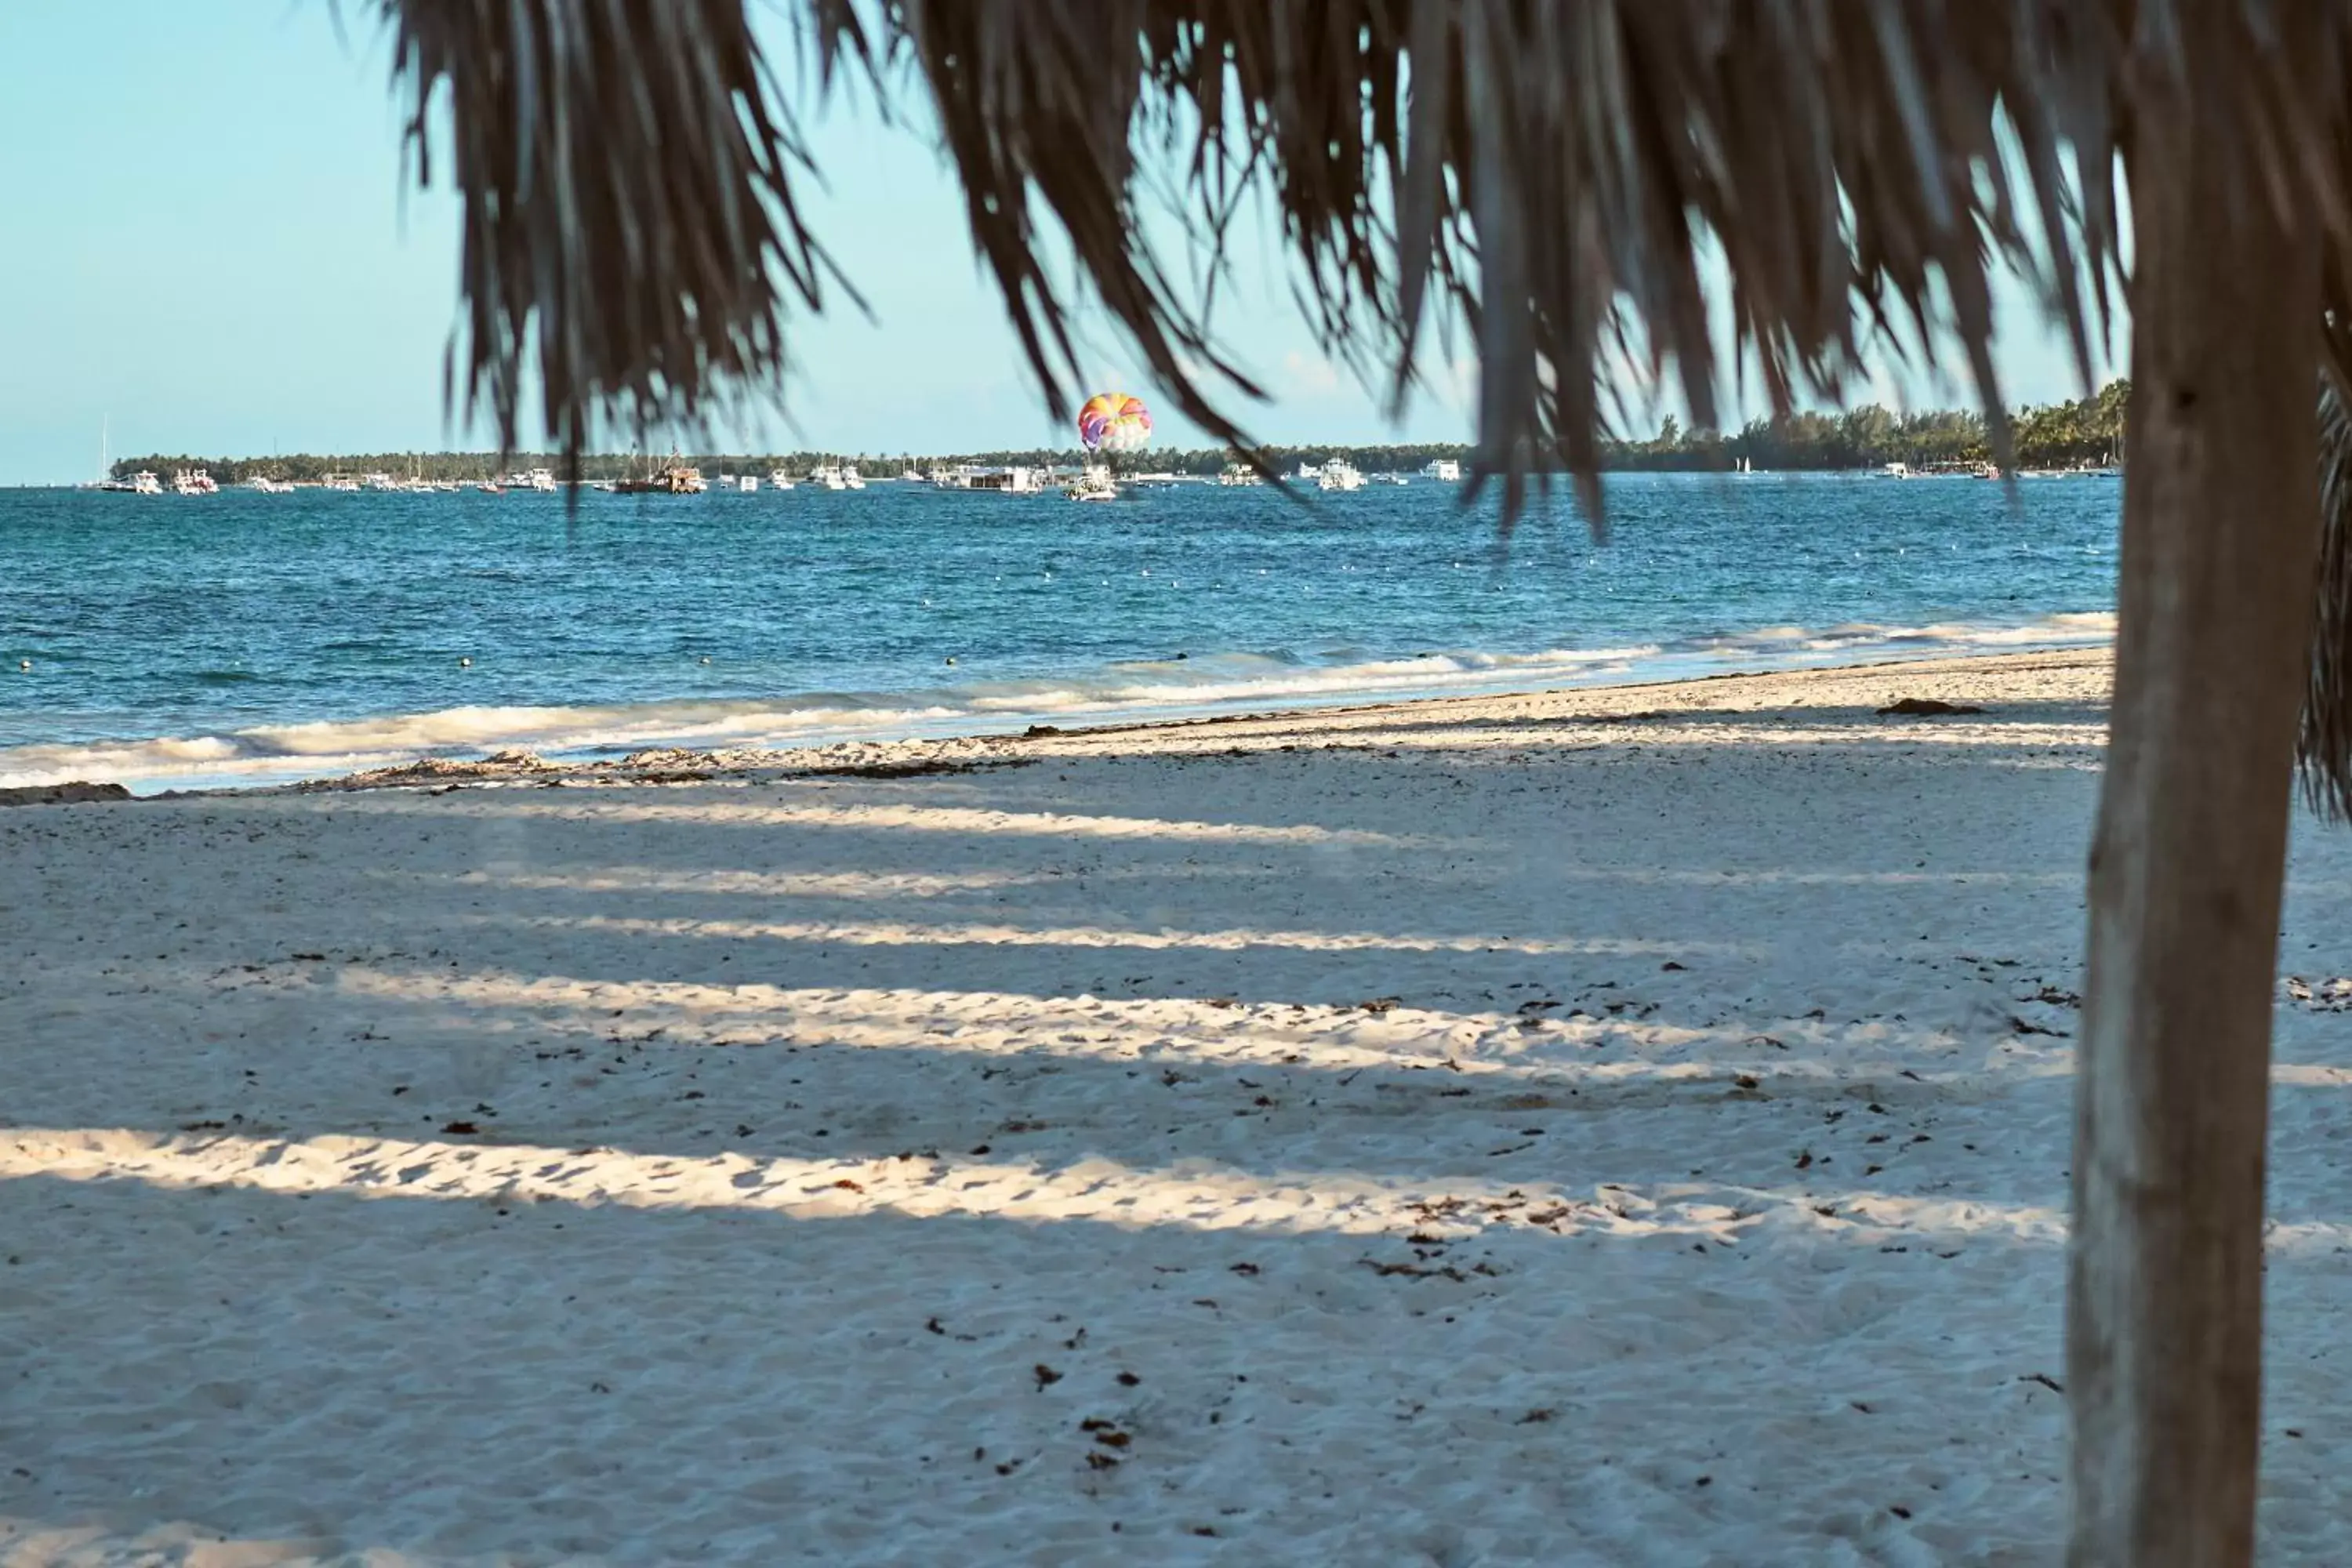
(1546, 169)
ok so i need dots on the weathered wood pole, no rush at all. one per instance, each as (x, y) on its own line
(2221, 508)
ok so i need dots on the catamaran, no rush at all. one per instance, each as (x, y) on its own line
(1339, 474)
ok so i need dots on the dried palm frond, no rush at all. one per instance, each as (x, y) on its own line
(2325, 750)
(1551, 172)
(629, 222)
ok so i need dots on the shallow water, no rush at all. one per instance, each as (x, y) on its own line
(245, 637)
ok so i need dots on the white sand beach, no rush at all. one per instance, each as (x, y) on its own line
(1618, 1126)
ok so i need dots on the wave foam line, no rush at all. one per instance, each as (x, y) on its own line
(312, 748)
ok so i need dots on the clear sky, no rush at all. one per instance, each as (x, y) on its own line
(211, 245)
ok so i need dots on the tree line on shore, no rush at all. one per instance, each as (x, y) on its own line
(2085, 433)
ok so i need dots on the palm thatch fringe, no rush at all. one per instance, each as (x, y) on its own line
(1549, 174)
(629, 220)
(2325, 745)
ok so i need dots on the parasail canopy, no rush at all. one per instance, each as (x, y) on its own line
(1114, 422)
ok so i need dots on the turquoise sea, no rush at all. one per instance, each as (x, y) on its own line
(247, 639)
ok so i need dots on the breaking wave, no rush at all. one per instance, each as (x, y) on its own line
(1171, 688)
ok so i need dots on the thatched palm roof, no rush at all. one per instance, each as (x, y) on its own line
(1547, 171)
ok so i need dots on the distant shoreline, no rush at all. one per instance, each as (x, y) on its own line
(2066, 437)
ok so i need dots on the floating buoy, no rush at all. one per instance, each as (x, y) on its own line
(950, 661)
(464, 664)
(26, 665)
(706, 659)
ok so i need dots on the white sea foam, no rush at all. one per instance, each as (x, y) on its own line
(1169, 688)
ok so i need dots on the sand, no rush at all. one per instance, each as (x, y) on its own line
(1615, 1127)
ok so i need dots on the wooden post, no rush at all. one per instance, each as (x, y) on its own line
(2221, 507)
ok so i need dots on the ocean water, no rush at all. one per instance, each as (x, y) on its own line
(250, 638)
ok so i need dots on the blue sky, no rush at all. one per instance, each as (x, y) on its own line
(212, 245)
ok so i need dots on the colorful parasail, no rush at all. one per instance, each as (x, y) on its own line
(1114, 422)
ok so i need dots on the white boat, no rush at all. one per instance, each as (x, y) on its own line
(850, 478)
(1339, 474)
(779, 480)
(379, 482)
(1394, 480)
(1236, 475)
(1093, 484)
(343, 482)
(911, 475)
(1016, 481)
(837, 476)
(1444, 468)
(268, 485)
(1307, 474)
(1896, 471)
(193, 482)
(747, 483)
(143, 484)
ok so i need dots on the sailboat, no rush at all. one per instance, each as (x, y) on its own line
(106, 479)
